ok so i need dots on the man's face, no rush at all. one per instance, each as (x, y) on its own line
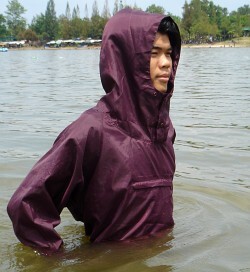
(161, 62)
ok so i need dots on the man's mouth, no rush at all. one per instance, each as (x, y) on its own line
(163, 77)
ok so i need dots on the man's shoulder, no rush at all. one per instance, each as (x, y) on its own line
(89, 122)
(91, 118)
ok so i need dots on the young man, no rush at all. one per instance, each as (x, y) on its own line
(113, 167)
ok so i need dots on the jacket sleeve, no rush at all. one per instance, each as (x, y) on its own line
(36, 205)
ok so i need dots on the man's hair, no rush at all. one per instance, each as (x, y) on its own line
(168, 27)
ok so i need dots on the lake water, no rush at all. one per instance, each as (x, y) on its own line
(43, 91)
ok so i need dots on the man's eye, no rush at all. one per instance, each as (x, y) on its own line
(154, 53)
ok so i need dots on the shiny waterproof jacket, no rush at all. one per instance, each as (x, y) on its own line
(113, 167)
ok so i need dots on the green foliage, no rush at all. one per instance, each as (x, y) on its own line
(3, 27)
(76, 26)
(67, 12)
(245, 10)
(97, 23)
(155, 9)
(14, 17)
(187, 20)
(38, 24)
(97, 26)
(236, 27)
(85, 28)
(65, 28)
(76, 13)
(28, 35)
(203, 21)
(51, 23)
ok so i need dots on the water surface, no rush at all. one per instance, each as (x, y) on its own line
(43, 91)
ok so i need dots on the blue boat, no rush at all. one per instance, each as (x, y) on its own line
(3, 49)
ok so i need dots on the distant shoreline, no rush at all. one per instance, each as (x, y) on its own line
(242, 42)
(28, 47)
(237, 43)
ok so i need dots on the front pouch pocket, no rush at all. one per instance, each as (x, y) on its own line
(152, 184)
(153, 200)
(146, 209)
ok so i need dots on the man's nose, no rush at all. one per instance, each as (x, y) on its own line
(165, 61)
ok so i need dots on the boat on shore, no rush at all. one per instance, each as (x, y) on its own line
(3, 49)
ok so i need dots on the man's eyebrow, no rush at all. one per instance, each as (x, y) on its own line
(162, 48)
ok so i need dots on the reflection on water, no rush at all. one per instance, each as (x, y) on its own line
(43, 91)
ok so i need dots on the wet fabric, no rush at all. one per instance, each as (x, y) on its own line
(113, 167)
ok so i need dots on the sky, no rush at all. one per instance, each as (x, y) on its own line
(174, 7)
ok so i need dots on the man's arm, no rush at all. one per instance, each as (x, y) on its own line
(36, 205)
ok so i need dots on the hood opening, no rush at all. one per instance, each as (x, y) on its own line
(125, 67)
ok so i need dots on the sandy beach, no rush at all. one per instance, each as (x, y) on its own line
(239, 42)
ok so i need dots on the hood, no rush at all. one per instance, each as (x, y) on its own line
(125, 73)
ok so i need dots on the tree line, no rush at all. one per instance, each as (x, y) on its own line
(201, 21)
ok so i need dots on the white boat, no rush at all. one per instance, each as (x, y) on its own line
(3, 49)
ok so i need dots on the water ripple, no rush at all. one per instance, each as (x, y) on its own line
(43, 91)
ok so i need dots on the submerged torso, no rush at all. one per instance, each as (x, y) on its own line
(130, 191)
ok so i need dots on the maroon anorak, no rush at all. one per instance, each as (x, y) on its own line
(113, 167)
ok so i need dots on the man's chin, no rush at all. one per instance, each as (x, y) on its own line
(162, 89)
